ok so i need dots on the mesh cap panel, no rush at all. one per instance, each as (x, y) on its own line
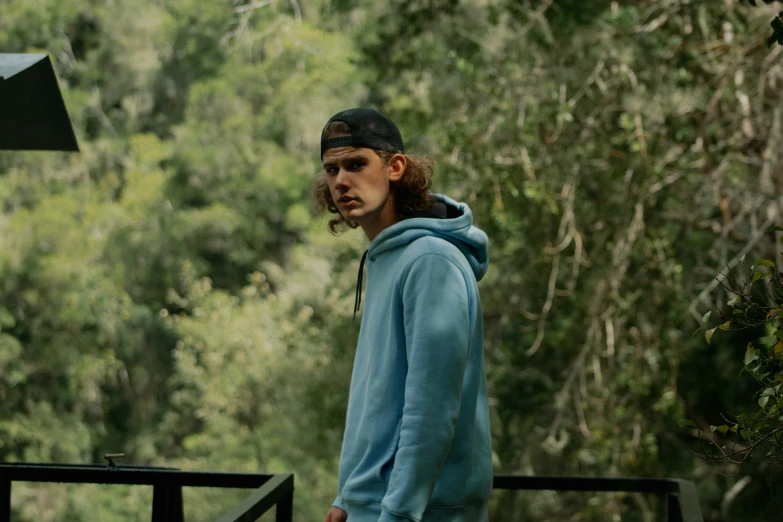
(369, 129)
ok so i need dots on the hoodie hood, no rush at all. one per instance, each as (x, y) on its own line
(446, 219)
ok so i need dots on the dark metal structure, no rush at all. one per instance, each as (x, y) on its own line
(681, 502)
(270, 490)
(32, 111)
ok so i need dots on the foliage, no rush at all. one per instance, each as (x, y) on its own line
(777, 24)
(757, 305)
(168, 293)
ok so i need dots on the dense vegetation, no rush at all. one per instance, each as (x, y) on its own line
(169, 293)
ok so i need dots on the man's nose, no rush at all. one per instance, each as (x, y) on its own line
(341, 178)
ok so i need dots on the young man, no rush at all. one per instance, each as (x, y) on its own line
(417, 440)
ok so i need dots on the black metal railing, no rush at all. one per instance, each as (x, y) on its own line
(167, 483)
(681, 503)
(681, 500)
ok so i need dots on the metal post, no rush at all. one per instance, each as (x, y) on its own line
(5, 499)
(167, 503)
(662, 506)
(673, 508)
(285, 508)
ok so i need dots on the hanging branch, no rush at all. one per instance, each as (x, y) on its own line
(776, 23)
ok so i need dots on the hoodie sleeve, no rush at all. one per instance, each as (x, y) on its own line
(437, 325)
(337, 503)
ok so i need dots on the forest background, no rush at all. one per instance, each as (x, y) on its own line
(169, 292)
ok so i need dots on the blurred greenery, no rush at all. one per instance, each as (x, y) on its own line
(169, 293)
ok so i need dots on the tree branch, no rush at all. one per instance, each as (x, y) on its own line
(731, 264)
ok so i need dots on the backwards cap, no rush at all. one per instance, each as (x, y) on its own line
(369, 129)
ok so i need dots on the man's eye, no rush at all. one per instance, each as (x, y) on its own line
(357, 166)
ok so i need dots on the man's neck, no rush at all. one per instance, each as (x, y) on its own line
(386, 218)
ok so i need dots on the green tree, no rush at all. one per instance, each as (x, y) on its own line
(605, 149)
(167, 292)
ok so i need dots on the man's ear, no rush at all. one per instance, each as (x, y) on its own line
(397, 167)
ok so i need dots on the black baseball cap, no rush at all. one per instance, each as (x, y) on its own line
(369, 128)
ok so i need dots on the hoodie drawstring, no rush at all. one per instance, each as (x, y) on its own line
(359, 285)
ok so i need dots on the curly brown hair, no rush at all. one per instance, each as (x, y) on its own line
(410, 192)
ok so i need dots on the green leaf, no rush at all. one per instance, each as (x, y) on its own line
(734, 301)
(686, 422)
(723, 429)
(763, 401)
(757, 276)
(766, 262)
(750, 354)
(778, 334)
(767, 392)
(708, 335)
(6, 318)
(775, 228)
(725, 326)
(706, 317)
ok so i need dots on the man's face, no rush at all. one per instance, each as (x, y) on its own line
(360, 174)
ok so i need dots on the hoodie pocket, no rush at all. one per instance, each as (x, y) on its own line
(388, 461)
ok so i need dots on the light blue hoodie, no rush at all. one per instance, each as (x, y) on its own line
(417, 441)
